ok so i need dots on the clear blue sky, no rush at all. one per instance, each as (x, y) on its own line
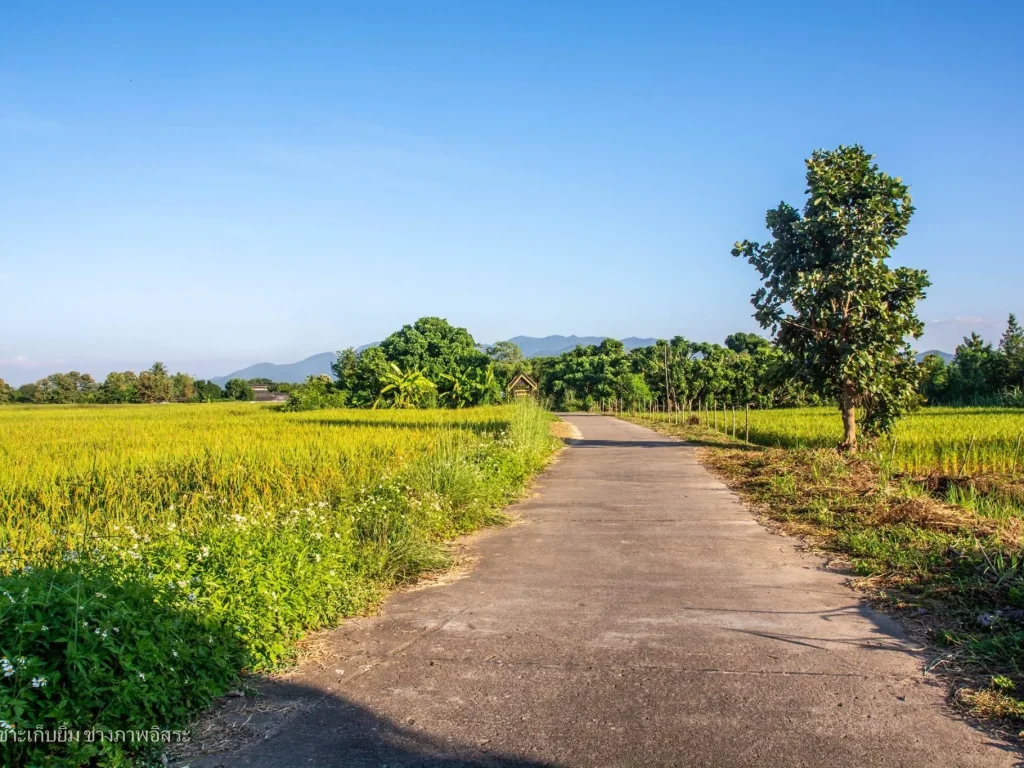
(216, 184)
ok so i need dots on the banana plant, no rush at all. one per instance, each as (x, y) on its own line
(457, 394)
(404, 389)
(474, 386)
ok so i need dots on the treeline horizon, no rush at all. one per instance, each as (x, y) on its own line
(434, 364)
(153, 385)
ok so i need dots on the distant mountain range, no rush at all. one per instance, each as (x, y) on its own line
(294, 373)
(532, 347)
(297, 373)
(283, 372)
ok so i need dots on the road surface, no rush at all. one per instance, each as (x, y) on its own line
(639, 616)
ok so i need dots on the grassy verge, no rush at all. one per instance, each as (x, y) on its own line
(135, 585)
(952, 574)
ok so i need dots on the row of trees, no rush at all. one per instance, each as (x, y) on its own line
(979, 374)
(431, 363)
(673, 374)
(750, 369)
(154, 385)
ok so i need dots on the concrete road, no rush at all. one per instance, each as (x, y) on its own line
(638, 617)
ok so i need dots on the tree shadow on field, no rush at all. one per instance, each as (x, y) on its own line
(296, 724)
(418, 425)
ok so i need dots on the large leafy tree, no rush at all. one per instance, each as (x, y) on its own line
(26, 393)
(508, 361)
(829, 296)
(1011, 346)
(973, 374)
(934, 378)
(505, 352)
(65, 388)
(362, 375)
(588, 375)
(208, 391)
(120, 387)
(238, 389)
(440, 354)
(183, 387)
(747, 342)
(154, 385)
(433, 347)
(6, 392)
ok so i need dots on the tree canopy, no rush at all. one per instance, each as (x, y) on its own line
(979, 373)
(828, 295)
(433, 347)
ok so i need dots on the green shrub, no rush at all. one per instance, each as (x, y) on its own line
(317, 393)
(84, 650)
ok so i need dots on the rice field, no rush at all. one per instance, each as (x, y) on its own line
(945, 441)
(69, 472)
(149, 553)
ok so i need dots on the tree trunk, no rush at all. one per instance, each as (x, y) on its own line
(849, 444)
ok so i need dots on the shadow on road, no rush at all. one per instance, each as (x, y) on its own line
(584, 443)
(627, 443)
(293, 724)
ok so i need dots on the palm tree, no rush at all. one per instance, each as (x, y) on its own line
(406, 390)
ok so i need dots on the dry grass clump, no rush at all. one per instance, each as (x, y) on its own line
(563, 430)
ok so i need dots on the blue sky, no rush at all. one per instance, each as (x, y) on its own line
(215, 184)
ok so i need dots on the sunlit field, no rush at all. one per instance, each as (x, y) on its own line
(70, 472)
(148, 553)
(948, 441)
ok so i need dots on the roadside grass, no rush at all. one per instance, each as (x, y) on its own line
(952, 568)
(149, 554)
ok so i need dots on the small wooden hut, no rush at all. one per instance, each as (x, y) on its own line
(522, 386)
